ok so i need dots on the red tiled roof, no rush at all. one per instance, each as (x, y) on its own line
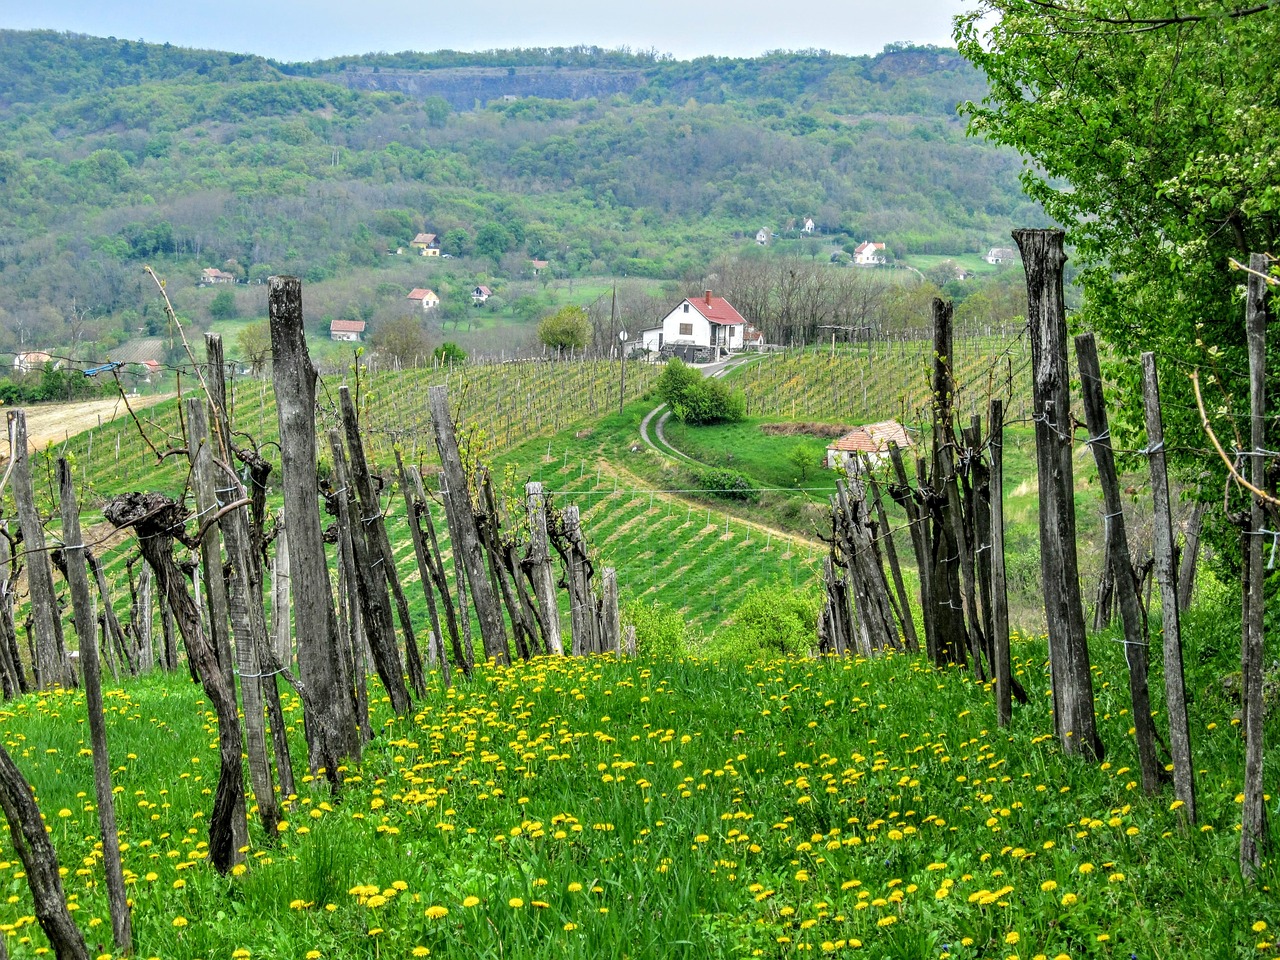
(425, 238)
(868, 246)
(717, 310)
(483, 291)
(872, 438)
(347, 326)
(422, 293)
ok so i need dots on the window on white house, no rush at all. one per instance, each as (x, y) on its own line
(686, 329)
(686, 308)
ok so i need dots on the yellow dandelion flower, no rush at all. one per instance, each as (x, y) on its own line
(1049, 886)
(421, 952)
(515, 903)
(179, 922)
(470, 901)
(436, 912)
(1011, 937)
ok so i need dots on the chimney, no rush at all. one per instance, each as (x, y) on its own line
(708, 298)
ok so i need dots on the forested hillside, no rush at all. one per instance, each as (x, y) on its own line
(119, 153)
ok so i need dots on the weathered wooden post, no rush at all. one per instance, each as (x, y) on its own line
(31, 843)
(248, 619)
(435, 649)
(540, 573)
(1253, 817)
(463, 654)
(999, 594)
(380, 555)
(332, 734)
(375, 606)
(462, 529)
(15, 680)
(1043, 259)
(50, 654)
(1131, 613)
(74, 551)
(1175, 687)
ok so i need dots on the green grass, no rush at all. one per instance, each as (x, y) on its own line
(663, 808)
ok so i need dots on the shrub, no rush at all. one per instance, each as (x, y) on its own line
(772, 620)
(660, 630)
(728, 485)
(696, 399)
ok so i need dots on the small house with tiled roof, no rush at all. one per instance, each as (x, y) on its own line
(348, 330)
(427, 244)
(480, 294)
(868, 253)
(704, 321)
(997, 255)
(214, 275)
(872, 439)
(424, 298)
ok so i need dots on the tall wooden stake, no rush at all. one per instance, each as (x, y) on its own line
(51, 656)
(332, 734)
(999, 592)
(462, 529)
(1253, 816)
(1175, 687)
(74, 551)
(1131, 613)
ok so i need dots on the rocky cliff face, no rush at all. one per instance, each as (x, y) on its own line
(470, 88)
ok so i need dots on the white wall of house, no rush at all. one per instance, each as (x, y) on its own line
(685, 324)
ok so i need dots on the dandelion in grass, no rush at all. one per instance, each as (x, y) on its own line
(436, 912)
(470, 901)
(515, 903)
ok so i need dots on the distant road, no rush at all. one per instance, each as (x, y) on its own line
(49, 423)
(661, 413)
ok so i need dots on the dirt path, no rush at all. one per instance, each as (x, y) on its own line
(50, 423)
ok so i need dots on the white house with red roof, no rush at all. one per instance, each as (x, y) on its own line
(704, 321)
(868, 253)
(424, 298)
(348, 330)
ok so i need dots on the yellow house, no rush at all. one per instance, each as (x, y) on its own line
(427, 244)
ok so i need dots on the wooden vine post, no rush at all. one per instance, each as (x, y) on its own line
(1175, 686)
(1043, 259)
(1000, 665)
(50, 654)
(540, 571)
(74, 552)
(1131, 613)
(379, 544)
(332, 734)
(463, 531)
(1253, 837)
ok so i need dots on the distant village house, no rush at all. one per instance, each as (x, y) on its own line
(427, 244)
(347, 330)
(214, 275)
(424, 298)
(537, 266)
(763, 235)
(808, 225)
(868, 253)
(480, 294)
(872, 439)
(32, 362)
(1001, 255)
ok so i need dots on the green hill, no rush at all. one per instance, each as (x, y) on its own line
(118, 154)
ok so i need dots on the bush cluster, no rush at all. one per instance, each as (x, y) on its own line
(696, 399)
(728, 485)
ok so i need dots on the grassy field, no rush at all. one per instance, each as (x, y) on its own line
(669, 807)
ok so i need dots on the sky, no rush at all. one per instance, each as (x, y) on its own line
(314, 29)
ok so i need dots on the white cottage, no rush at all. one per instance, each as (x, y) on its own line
(704, 321)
